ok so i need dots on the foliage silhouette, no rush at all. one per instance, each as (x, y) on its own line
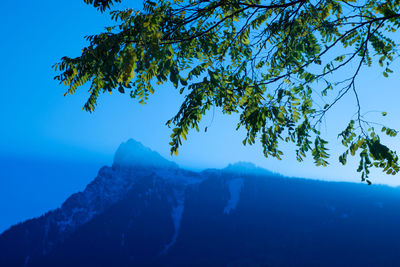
(265, 60)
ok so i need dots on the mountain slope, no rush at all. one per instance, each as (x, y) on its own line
(146, 211)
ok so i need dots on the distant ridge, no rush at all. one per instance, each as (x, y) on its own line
(243, 167)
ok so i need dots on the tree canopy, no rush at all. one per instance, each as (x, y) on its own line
(266, 60)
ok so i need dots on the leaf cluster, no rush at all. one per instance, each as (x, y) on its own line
(264, 60)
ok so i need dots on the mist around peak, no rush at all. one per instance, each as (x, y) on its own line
(244, 167)
(134, 153)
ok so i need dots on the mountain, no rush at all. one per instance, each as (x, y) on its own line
(246, 168)
(146, 211)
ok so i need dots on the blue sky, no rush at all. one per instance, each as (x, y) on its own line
(50, 148)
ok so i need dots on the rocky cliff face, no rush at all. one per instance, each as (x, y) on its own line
(145, 210)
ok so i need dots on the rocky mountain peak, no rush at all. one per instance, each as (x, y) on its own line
(133, 153)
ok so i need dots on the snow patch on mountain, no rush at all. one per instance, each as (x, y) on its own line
(177, 212)
(26, 260)
(107, 188)
(235, 187)
(123, 240)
